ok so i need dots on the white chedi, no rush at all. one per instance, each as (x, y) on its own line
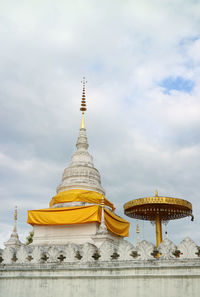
(81, 173)
(14, 241)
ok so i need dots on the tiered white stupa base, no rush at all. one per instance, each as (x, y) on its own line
(64, 234)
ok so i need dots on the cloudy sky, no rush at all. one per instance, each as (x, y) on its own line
(141, 59)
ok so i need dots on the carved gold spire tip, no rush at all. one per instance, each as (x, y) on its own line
(138, 235)
(156, 193)
(15, 220)
(83, 103)
(102, 202)
(15, 216)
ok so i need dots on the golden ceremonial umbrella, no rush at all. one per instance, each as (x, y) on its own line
(158, 209)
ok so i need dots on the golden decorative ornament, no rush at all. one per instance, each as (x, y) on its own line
(15, 215)
(158, 209)
(83, 104)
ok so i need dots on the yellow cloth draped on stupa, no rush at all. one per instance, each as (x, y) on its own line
(79, 214)
(77, 195)
(115, 224)
(64, 215)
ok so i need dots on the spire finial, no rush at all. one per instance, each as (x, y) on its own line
(137, 228)
(83, 103)
(138, 235)
(15, 220)
(156, 193)
(102, 227)
(15, 217)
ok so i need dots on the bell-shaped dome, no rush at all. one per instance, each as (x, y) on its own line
(81, 173)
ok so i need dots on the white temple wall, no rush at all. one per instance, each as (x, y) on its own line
(142, 280)
(109, 270)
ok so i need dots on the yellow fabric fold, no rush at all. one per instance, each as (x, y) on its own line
(116, 224)
(80, 195)
(78, 215)
(65, 215)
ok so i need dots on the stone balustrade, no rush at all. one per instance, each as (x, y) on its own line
(108, 252)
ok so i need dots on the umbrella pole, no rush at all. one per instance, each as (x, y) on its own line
(158, 230)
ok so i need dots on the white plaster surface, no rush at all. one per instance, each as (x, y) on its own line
(143, 279)
(64, 234)
(115, 268)
(61, 234)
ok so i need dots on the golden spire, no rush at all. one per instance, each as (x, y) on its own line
(102, 226)
(156, 193)
(83, 104)
(137, 229)
(102, 202)
(15, 219)
(138, 234)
